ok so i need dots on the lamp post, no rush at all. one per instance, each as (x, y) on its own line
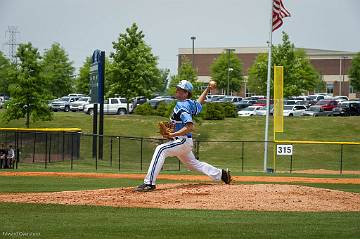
(228, 70)
(228, 78)
(341, 74)
(193, 51)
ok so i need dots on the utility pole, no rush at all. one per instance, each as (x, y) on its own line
(10, 35)
(193, 51)
(228, 71)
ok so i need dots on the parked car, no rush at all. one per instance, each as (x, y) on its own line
(79, 104)
(248, 101)
(154, 103)
(249, 111)
(291, 102)
(63, 104)
(242, 104)
(300, 97)
(315, 111)
(139, 100)
(76, 95)
(214, 98)
(306, 103)
(256, 97)
(341, 98)
(294, 110)
(316, 98)
(347, 108)
(111, 106)
(262, 102)
(232, 99)
(327, 105)
(262, 110)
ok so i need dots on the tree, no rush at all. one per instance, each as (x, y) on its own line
(299, 75)
(134, 71)
(57, 71)
(28, 97)
(354, 72)
(83, 79)
(7, 74)
(226, 70)
(164, 76)
(186, 72)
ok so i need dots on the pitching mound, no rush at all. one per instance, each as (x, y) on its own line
(259, 197)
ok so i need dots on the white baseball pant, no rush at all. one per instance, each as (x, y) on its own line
(181, 147)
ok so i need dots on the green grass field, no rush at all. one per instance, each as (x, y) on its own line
(59, 221)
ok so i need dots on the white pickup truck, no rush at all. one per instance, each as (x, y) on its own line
(111, 106)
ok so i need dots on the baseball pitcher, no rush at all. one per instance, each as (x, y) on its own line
(180, 143)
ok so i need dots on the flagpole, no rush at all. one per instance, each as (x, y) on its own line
(268, 90)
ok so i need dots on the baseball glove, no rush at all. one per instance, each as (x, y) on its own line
(166, 128)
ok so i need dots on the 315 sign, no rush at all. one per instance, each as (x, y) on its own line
(284, 149)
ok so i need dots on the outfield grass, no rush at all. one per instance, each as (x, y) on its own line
(242, 128)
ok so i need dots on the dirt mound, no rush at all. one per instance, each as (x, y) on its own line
(191, 177)
(259, 197)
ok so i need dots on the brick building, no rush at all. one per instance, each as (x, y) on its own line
(333, 66)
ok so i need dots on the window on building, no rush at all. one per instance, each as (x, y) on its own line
(351, 90)
(248, 93)
(329, 87)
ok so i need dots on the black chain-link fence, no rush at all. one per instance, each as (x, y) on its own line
(73, 151)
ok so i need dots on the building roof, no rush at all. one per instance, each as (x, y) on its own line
(257, 50)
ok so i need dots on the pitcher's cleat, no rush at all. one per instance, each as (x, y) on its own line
(225, 176)
(145, 188)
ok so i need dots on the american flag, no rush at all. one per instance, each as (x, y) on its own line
(278, 13)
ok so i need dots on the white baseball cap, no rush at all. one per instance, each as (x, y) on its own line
(185, 85)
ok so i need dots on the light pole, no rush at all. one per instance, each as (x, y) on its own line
(341, 74)
(228, 77)
(193, 51)
(228, 70)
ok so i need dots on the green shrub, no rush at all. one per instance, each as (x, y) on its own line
(144, 109)
(162, 109)
(170, 108)
(230, 110)
(214, 111)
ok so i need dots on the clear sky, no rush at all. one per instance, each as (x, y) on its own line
(82, 26)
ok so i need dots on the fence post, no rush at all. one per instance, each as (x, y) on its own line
(72, 148)
(198, 150)
(34, 145)
(242, 156)
(46, 141)
(96, 156)
(16, 150)
(111, 149)
(119, 152)
(21, 140)
(141, 153)
(49, 148)
(341, 158)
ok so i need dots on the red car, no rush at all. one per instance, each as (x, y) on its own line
(327, 105)
(262, 102)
